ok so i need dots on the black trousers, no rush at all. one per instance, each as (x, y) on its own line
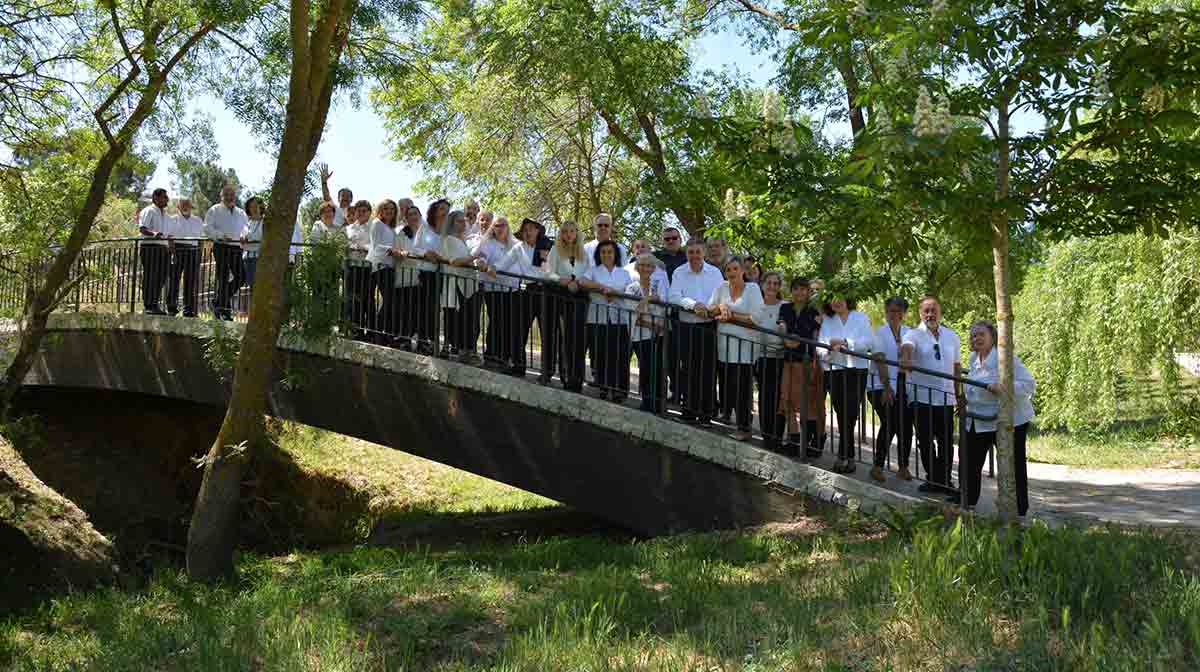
(698, 357)
(610, 356)
(674, 374)
(769, 373)
(652, 373)
(383, 282)
(428, 300)
(524, 308)
(978, 445)
(186, 265)
(738, 391)
(895, 422)
(457, 321)
(155, 259)
(846, 388)
(471, 310)
(228, 260)
(495, 338)
(935, 425)
(564, 340)
(405, 301)
(357, 310)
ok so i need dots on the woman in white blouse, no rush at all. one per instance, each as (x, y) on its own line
(459, 287)
(494, 244)
(428, 246)
(359, 290)
(406, 294)
(564, 328)
(251, 239)
(736, 302)
(981, 435)
(382, 233)
(647, 324)
(521, 308)
(768, 367)
(846, 329)
(608, 321)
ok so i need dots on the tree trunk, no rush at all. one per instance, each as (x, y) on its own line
(212, 536)
(1006, 465)
(68, 551)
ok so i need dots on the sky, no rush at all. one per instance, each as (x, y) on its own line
(354, 144)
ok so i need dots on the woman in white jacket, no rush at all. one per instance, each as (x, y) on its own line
(843, 329)
(981, 434)
(522, 306)
(460, 285)
(382, 237)
(492, 247)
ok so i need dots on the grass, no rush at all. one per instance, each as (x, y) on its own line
(1130, 447)
(834, 592)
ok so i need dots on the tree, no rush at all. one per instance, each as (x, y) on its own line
(202, 181)
(308, 53)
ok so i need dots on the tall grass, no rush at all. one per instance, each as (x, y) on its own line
(841, 595)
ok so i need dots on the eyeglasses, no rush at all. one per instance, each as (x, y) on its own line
(937, 352)
(670, 239)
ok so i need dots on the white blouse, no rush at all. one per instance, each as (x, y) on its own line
(407, 270)
(767, 317)
(186, 227)
(737, 344)
(428, 240)
(493, 252)
(321, 232)
(602, 311)
(885, 344)
(855, 331)
(655, 312)
(253, 235)
(983, 402)
(381, 238)
(559, 267)
(358, 242)
(457, 278)
(517, 260)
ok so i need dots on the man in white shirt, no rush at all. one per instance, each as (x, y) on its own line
(887, 394)
(935, 347)
(692, 287)
(185, 259)
(342, 214)
(224, 224)
(154, 224)
(603, 228)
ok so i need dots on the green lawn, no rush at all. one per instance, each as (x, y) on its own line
(829, 592)
(1129, 448)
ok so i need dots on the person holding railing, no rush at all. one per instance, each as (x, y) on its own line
(985, 401)
(736, 302)
(224, 224)
(343, 214)
(251, 239)
(493, 246)
(933, 346)
(888, 394)
(460, 286)
(563, 340)
(359, 298)
(608, 326)
(428, 247)
(186, 228)
(406, 299)
(382, 239)
(518, 313)
(154, 224)
(844, 328)
(691, 287)
(768, 366)
(802, 394)
(647, 323)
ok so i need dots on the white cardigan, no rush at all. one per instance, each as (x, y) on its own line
(855, 331)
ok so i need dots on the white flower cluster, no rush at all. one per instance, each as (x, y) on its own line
(735, 205)
(860, 8)
(883, 122)
(771, 110)
(931, 118)
(893, 66)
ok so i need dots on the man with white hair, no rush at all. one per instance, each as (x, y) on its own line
(185, 229)
(602, 226)
(224, 224)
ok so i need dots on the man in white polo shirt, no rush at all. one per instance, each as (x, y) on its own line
(154, 224)
(602, 226)
(692, 286)
(186, 228)
(933, 346)
(224, 224)
(342, 214)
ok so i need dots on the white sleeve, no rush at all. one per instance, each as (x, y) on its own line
(718, 295)
(1023, 383)
(859, 332)
(377, 227)
(754, 299)
(957, 354)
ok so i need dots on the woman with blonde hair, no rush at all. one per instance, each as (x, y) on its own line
(382, 236)
(460, 286)
(564, 327)
(493, 246)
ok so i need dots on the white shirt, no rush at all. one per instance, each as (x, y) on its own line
(297, 239)
(407, 270)
(358, 240)
(689, 287)
(428, 240)
(186, 227)
(458, 278)
(855, 331)
(321, 232)
(589, 249)
(886, 344)
(603, 311)
(225, 224)
(983, 402)
(157, 221)
(659, 274)
(767, 317)
(518, 260)
(339, 216)
(558, 267)
(737, 344)
(493, 252)
(380, 239)
(924, 388)
(655, 312)
(253, 235)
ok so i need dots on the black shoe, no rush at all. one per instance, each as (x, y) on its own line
(172, 311)
(155, 311)
(931, 488)
(189, 313)
(604, 395)
(954, 499)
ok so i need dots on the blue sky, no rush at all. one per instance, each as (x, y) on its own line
(354, 142)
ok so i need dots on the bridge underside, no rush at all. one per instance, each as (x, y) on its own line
(647, 473)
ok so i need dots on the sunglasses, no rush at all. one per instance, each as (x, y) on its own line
(937, 352)
(670, 239)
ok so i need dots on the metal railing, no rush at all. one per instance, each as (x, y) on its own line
(718, 375)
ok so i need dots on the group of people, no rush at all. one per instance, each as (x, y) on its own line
(706, 327)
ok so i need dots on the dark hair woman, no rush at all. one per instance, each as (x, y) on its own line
(846, 329)
(736, 302)
(802, 393)
(610, 324)
(251, 241)
(768, 365)
(427, 248)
